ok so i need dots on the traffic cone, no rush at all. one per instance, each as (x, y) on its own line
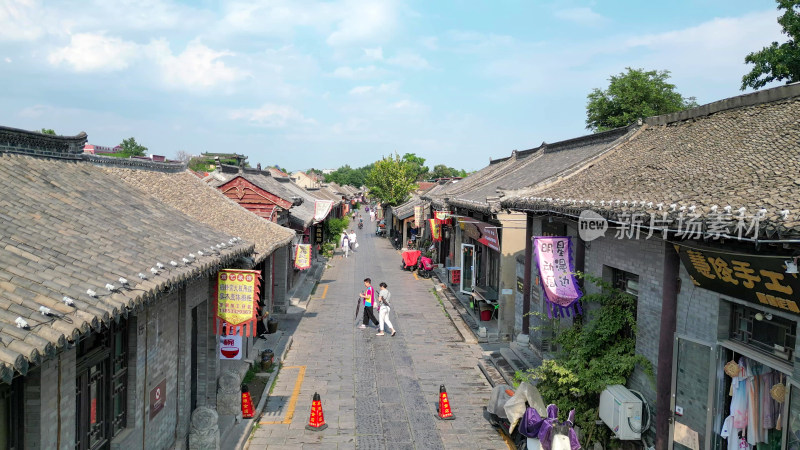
(316, 422)
(247, 404)
(445, 413)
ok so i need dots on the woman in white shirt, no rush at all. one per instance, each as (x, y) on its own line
(383, 310)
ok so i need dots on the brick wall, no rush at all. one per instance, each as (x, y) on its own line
(280, 282)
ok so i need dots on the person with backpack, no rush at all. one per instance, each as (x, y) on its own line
(345, 244)
(383, 310)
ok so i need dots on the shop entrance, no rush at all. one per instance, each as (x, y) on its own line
(467, 268)
(693, 369)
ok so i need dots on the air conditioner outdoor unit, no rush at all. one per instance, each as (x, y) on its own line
(621, 411)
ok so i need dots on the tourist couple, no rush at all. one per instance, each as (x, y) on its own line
(382, 304)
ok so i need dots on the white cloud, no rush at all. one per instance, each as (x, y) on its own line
(89, 52)
(197, 67)
(385, 88)
(374, 53)
(408, 105)
(582, 16)
(20, 20)
(364, 22)
(8, 60)
(357, 73)
(430, 42)
(409, 60)
(271, 116)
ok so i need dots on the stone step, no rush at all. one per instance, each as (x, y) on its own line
(490, 371)
(502, 366)
(516, 363)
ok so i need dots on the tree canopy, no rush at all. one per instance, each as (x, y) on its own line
(346, 175)
(48, 131)
(632, 95)
(392, 179)
(418, 165)
(778, 62)
(443, 171)
(132, 148)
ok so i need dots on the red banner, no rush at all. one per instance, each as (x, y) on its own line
(443, 217)
(436, 230)
(236, 301)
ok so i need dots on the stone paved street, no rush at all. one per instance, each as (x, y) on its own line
(378, 392)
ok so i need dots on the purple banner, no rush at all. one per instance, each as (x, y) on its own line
(556, 273)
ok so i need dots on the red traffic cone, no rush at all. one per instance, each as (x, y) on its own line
(445, 413)
(247, 404)
(316, 422)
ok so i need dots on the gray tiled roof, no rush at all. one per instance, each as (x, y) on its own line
(187, 193)
(739, 152)
(304, 212)
(69, 226)
(406, 210)
(528, 167)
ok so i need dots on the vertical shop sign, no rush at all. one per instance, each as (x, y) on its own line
(554, 260)
(318, 234)
(237, 301)
(436, 230)
(417, 216)
(302, 256)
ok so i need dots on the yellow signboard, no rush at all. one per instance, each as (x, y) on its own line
(236, 295)
(302, 256)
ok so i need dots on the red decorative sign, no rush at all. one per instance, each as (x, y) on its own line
(93, 412)
(482, 232)
(158, 398)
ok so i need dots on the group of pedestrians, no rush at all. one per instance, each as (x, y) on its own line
(381, 303)
(348, 242)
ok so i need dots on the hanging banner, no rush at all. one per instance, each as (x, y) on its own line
(417, 216)
(554, 260)
(442, 216)
(321, 209)
(236, 304)
(482, 232)
(758, 279)
(436, 230)
(230, 347)
(302, 256)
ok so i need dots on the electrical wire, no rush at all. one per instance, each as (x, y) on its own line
(646, 407)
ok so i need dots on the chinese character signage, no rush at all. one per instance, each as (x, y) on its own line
(230, 347)
(302, 256)
(318, 234)
(321, 209)
(442, 216)
(236, 302)
(417, 216)
(758, 279)
(554, 260)
(436, 230)
(482, 232)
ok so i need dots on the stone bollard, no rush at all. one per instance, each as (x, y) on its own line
(204, 433)
(229, 394)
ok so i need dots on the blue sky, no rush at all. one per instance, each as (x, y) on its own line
(304, 83)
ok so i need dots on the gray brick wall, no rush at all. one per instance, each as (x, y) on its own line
(645, 258)
(33, 409)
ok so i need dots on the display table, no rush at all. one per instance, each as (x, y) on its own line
(479, 296)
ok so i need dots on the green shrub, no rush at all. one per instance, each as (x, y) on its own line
(591, 356)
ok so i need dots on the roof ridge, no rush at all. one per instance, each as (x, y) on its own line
(33, 143)
(137, 164)
(763, 96)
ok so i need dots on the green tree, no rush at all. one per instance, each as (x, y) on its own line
(418, 165)
(48, 131)
(632, 95)
(442, 171)
(346, 175)
(778, 62)
(391, 180)
(131, 148)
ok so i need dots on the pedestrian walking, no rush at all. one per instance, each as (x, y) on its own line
(369, 299)
(353, 242)
(346, 244)
(383, 310)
